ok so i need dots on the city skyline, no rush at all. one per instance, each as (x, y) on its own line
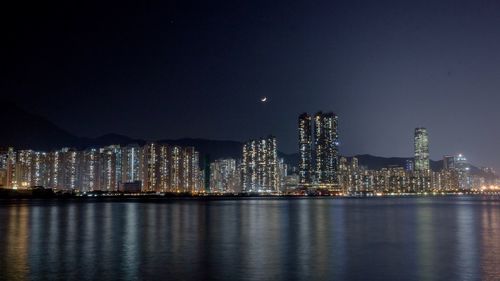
(165, 168)
(250, 140)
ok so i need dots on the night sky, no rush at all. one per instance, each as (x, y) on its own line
(198, 69)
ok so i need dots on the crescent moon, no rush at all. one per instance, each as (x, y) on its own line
(264, 99)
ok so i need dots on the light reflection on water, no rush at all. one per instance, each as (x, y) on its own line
(321, 239)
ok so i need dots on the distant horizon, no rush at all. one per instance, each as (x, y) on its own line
(222, 140)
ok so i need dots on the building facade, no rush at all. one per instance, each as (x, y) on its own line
(305, 149)
(260, 166)
(155, 167)
(225, 176)
(319, 150)
(421, 144)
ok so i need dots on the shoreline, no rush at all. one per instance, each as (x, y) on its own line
(21, 195)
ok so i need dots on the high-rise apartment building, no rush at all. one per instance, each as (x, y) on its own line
(39, 169)
(166, 168)
(4, 158)
(71, 169)
(260, 166)
(305, 149)
(175, 169)
(224, 176)
(326, 147)
(11, 167)
(421, 142)
(190, 170)
(150, 167)
(131, 163)
(23, 168)
(154, 167)
(111, 168)
(90, 170)
(318, 148)
(56, 170)
(462, 168)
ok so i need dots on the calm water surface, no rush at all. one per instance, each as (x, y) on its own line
(298, 239)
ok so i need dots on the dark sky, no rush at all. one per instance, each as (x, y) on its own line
(198, 69)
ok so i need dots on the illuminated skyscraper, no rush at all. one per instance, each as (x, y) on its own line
(40, 169)
(166, 168)
(260, 166)
(249, 166)
(282, 173)
(24, 168)
(462, 168)
(187, 170)
(175, 169)
(318, 149)
(11, 168)
(154, 167)
(421, 143)
(56, 171)
(70, 169)
(110, 159)
(150, 167)
(4, 158)
(90, 170)
(190, 171)
(131, 163)
(326, 148)
(305, 149)
(224, 176)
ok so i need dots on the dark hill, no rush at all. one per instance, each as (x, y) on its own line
(376, 162)
(22, 129)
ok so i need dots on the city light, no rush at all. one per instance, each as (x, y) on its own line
(157, 168)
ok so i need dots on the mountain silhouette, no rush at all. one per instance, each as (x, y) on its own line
(24, 130)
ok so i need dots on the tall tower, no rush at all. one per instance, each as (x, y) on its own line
(305, 149)
(110, 158)
(130, 163)
(260, 166)
(150, 167)
(326, 147)
(462, 169)
(90, 173)
(421, 142)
